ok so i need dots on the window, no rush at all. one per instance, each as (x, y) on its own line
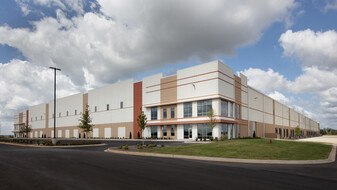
(187, 131)
(41, 117)
(224, 108)
(224, 130)
(95, 108)
(164, 113)
(172, 113)
(188, 109)
(31, 119)
(276, 130)
(35, 118)
(154, 132)
(75, 112)
(204, 107)
(204, 130)
(67, 113)
(107, 107)
(165, 131)
(60, 114)
(121, 105)
(172, 130)
(230, 109)
(154, 113)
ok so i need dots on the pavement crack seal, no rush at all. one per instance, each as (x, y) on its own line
(330, 159)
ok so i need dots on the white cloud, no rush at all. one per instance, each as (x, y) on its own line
(124, 38)
(311, 48)
(331, 5)
(27, 6)
(24, 84)
(276, 95)
(135, 36)
(317, 52)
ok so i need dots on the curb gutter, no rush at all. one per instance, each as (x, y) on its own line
(331, 158)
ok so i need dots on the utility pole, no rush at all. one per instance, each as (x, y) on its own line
(55, 69)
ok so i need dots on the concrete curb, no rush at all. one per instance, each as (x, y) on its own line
(38, 146)
(330, 159)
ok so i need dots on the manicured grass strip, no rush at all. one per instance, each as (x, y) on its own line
(252, 149)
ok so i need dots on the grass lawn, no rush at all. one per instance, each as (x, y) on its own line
(252, 149)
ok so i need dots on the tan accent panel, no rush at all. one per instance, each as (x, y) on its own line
(168, 109)
(20, 118)
(259, 129)
(47, 118)
(168, 89)
(85, 101)
(169, 132)
(269, 128)
(243, 130)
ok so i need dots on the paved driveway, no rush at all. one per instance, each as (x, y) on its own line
(323, 139)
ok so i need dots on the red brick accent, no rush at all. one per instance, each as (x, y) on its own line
(137, 105)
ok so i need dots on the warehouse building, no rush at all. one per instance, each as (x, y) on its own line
(176, 106)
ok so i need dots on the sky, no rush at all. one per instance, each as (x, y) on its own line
(287, 49)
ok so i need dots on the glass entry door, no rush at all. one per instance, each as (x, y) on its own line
(187, 131)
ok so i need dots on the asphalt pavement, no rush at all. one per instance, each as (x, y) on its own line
(92, 168)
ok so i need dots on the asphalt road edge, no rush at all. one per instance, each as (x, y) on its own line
(331, 158)
(39, 146)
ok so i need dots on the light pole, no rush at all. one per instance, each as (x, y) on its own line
(55, 69)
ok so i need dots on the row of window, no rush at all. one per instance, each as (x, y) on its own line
(154, 131)
(172, 113)
(121, 106)
(203, 108)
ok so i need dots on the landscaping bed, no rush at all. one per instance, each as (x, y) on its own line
(47, 142)
(251, 149)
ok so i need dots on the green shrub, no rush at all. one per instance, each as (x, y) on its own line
(211, 138)
(216, 138)
(38, 142)
(204, 138)
(140, 147)
(162, 145)
(126, 147)
(196, 138)
(121, 146)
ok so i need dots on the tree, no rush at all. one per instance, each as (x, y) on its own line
(25, 130)
(142, 121)
(297, 131)
(85, 121)
(212, 120)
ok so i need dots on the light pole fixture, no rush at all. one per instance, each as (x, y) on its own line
(55, 69)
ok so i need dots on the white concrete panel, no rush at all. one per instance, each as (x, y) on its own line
(121, 132)
(37, 116)
(31, 135)
(75, 133)
(180, 132)
(194, 109)
(151, 89)
(41, 133)
(67, 135)
(52, 134)
(216, 132)
(112, 95)
(194, 131)
(63, 105)
(180, 110)
(59, 133)
(107, 132)
(35, 135)
(95, 132)
(198, 81)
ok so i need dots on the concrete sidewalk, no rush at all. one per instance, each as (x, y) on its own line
(331, 158)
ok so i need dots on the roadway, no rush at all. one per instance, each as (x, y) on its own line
(91, 168)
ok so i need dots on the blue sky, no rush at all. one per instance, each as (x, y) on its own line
(99, 42)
